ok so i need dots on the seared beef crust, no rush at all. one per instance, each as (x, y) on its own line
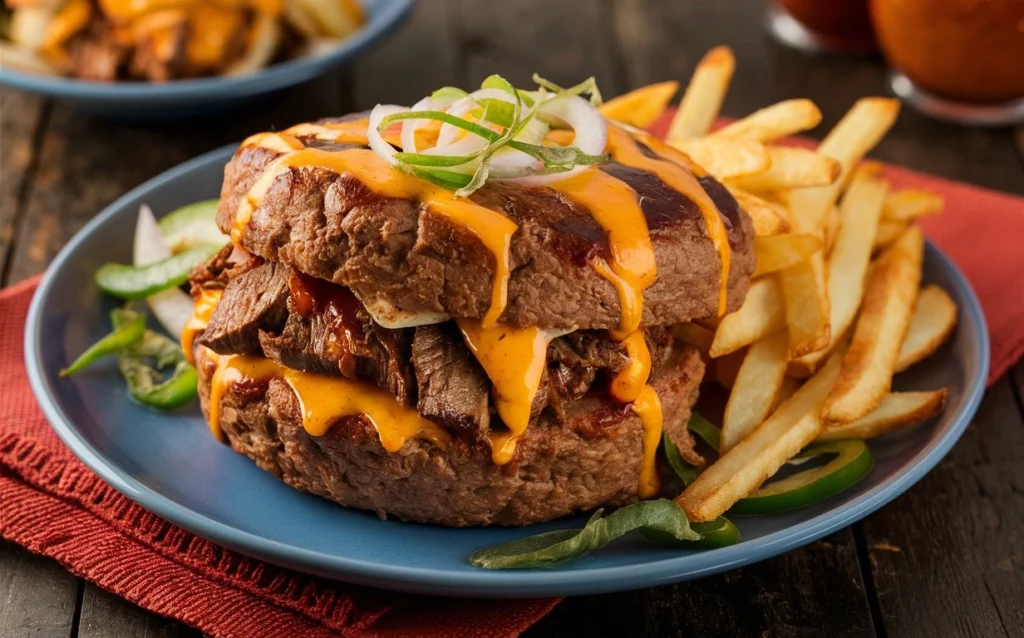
(591, 460)
(396, 251)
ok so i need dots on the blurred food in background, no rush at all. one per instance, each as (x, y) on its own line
(967, 50)
(161, 40)
(833, 26)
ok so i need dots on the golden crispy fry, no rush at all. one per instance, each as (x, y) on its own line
(727, 367)
(641, 107)
(761, 314)
(703, 97)
(859, 130)
(885, 315)
(776, 252)
(773, 122)
(807, 305)
(761, 453)
(790, 168)
(888, 232)
(848, 264)
(695, 335)
(755, 388)
(831, 229)
(906, 205)
(897, 410)
(768, 218)
(933, 321)
(724, 158)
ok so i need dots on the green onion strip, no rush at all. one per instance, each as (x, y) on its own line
(466, 173)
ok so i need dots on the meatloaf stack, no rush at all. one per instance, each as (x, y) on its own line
(324, 263)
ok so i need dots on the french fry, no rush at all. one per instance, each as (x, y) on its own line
(641, 107)
(761, 453)
(773, 122)
(888, 232)
(728, 367)
(725, 158)
(909, 204)
(776, 252)
(788, 388)
(859, 213)
(695, 335)
(703, 97)
(755, 388)
(769, 218)
(933, 321)
(760, 315)
(869, 364)
(831, 229)
(859, 130)
(804, 285)
(897, 410)
(807, 305)
(790, 168)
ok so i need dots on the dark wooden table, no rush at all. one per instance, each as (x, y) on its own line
(946, 558)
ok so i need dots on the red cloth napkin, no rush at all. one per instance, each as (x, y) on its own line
(51, 504)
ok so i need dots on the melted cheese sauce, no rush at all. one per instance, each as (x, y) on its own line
(678, 173)
(493, 229)
(648, 407)
(616, 208)
(352, 132)
(514, 360)
(630, 382)
(200, 318)
(323, 400)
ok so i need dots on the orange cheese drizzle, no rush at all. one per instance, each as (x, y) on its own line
(616, 208)
(493, 229)
(514, 360)
(200, 318)
(323, 400)
(677, 172)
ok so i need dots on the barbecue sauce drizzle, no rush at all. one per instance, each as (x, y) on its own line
(613, 204)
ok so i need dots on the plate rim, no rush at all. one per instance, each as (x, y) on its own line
(484, 583)
(271, 78)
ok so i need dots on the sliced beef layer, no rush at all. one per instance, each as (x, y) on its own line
(592, 459)
(395, 253)
(329, 332)
(452, 387)
(316, 326)
(253, 301)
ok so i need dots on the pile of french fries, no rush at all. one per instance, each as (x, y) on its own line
(835, 308)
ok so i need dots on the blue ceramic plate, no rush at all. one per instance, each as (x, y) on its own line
(170, 464)
(187, 98)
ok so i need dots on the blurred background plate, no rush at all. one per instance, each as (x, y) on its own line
(171, 464)
(181, 99)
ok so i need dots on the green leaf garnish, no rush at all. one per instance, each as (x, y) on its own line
(466, 173)
(547, 549)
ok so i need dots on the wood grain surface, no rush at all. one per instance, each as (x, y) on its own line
(945, 559)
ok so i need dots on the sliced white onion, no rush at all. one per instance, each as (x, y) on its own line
(172, 307)
(377, 142)
(409, 127)
(589, 126)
